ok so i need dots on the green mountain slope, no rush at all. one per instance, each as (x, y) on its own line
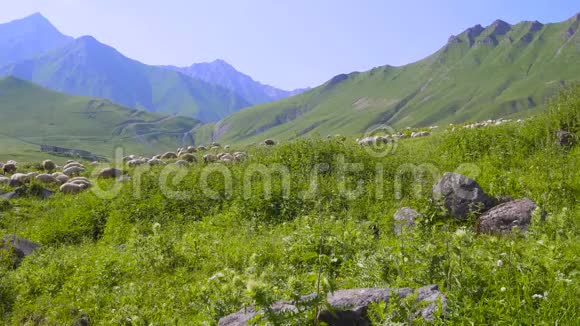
(89, 68)
(32, 115)
(502, 70)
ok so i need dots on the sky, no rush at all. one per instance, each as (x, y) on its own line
(284, 43)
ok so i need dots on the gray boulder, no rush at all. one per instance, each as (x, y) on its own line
(564, 138)
(350, 307)
(405, 218)
(19, 246)
(503, 218)
(461, 195)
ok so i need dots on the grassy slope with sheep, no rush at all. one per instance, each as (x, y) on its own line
(32, 115)
(142, 258)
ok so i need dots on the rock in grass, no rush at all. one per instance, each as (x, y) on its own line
(461, 195)
(349, 307)
(405, 218)
(503, 218)
(19, 246)
(564, 138)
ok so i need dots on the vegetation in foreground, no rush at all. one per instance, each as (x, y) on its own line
(143, 257)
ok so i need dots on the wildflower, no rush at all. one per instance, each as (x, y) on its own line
(503, 289)
(537, 296)
(499, 263)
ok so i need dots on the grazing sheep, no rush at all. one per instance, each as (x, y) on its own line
(61, 178)
(72, 165)
(214, 144)
(20, 177)
(420, 134)
(31, 175)
(188, 157)
(81, 182)
(94, 163)
(238, 156)
(73, 170)
(201, 148)
(4, 180)
(215, 148)
(46, 178)
(169, 156)
(134, 163)
(155, 161)
(9, 168)
(210, 158)
(269, 142)
(226, 157)
(191, 149)
(227, 147)
(110, 173)
(48, 165)
(71, 188)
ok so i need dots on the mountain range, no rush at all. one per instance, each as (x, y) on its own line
(223, 74)
(34, 50)
(501, 70)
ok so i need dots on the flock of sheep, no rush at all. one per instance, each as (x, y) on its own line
(185, 156)
(373, 140)
(71, 182)
(67, 176)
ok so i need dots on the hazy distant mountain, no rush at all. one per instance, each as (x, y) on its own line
(222, 73)
(485, 72)
(27, 37)
(87, 67)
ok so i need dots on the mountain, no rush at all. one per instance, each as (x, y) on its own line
(27, 37)
(222, 73)
(90, 68)
(501, 70)
(32, 115)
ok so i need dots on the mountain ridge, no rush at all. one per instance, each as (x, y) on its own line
(24, 38)
(222, 73)
(88, 67)
(484, 72)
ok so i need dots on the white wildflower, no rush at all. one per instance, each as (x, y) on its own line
(503, 289)
(499, 263)
(537, 296)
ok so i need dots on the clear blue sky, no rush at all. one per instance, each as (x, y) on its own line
(285, 43)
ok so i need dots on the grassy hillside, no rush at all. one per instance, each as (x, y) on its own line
(32, 115)
(499, 71)
(149, 255)
(89, 68)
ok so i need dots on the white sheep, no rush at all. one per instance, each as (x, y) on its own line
(61, 178)
(73, 170)
(169, 156)
(210, 158)
(155, 161)
(71, 188)
(48, 165)
(20, 177)
(9, 168)
(46, 178)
